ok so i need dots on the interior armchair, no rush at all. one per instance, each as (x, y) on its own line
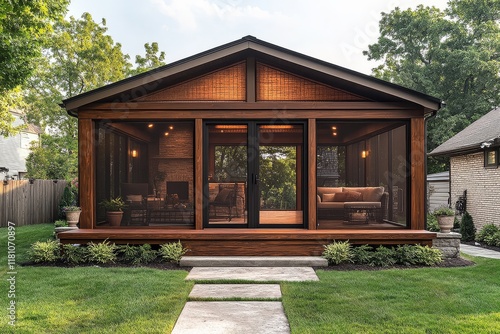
(226, 198)
(135, 196)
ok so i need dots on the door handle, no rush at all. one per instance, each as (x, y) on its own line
(255, 179)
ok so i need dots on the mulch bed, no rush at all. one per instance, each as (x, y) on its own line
(447, 263)
(154, 265)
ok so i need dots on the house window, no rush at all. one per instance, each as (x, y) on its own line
(491, 158)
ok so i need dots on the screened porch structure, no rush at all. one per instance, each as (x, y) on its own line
(253, 149)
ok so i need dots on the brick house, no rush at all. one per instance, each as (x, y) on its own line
(474, 161)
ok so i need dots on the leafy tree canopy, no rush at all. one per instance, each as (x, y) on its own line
(79, 57)
(24, 26)
(452, 54)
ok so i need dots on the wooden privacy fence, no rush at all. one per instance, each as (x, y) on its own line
(25, 203)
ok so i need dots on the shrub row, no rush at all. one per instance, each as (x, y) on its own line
(489, 235)
(343, 252)
(50, 251)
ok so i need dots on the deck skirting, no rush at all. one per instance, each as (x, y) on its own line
(251, 242)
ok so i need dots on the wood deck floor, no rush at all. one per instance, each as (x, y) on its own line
(232, 241)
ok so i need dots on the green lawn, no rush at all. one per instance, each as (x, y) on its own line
(89, 299)
(433, 300)
(142, 300)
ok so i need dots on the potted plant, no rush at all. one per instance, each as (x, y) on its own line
(72, 215)
(114, 210)
(445, 217)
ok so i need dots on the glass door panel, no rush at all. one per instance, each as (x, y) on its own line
(280, 174)
(227, 174)
(254, 175)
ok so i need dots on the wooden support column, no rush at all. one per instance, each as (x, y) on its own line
(251, 80)
(86, 172)
(198, 174)
(311, 174)
(417, 157)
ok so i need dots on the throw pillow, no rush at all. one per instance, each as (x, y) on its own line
(353, 196)
(373, 194)
(329, 197)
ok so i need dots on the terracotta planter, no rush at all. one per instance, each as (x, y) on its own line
(73, 217)
(445, 223)
(114, 218)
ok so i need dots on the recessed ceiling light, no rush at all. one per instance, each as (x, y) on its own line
(171, 127)
(166, 133)
(150, 125)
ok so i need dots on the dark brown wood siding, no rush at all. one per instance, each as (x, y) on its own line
(277, 85)
(228, 84)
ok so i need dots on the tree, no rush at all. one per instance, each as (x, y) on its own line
(153, 59)
(452, 54)
(24, 25)
(10, 100)
(79, 57)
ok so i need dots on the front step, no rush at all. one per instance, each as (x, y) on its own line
(253, 261)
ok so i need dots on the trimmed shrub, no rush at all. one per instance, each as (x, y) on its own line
(74, 254)
(60, 223)
(406, 255)
(425, 255)
(338, 252)
(494, 240)
(102, 252)
(467, 228)
(137, 254)
(432, 223)
(44, 251)
(172, 252)
(362, 254)
(487, 232)
(383, 257)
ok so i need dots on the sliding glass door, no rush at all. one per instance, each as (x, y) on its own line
(254, 175)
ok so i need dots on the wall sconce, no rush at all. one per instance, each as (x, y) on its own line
(134, 153)
(364, 154)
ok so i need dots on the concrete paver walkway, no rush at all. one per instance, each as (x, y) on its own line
(253, 314)
(232, 317)
(479, 251)
(257, 274)
(247, 291)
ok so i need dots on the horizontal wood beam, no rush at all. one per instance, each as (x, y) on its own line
(277, 114)
(290, 105)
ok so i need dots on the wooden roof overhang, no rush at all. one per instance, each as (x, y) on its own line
(123, 95)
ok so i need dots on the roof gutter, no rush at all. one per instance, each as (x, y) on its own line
(70, 112)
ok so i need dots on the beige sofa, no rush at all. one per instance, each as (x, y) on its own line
(332, 202)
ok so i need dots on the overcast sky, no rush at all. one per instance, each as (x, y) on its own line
(331, 30)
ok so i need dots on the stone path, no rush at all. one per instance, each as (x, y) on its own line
(255, 308)
(479, 251)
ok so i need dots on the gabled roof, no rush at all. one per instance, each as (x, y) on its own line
(482, 133)
(250, 46)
